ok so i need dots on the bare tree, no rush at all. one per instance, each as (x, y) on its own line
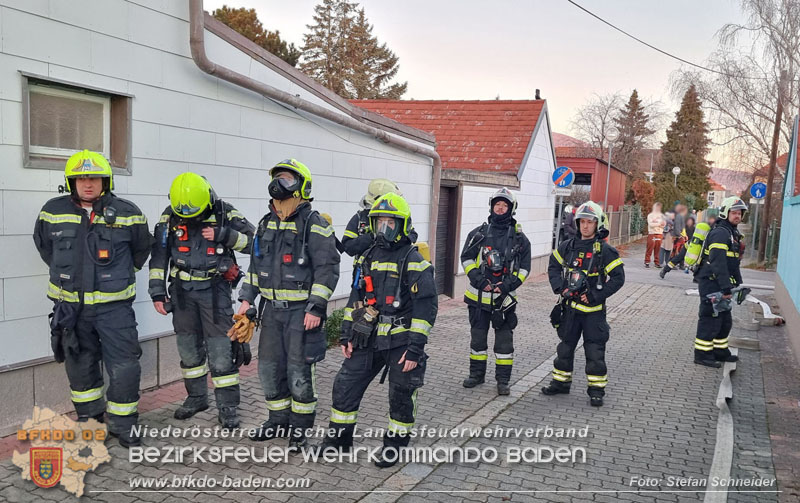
(594, 121)
(756, 75)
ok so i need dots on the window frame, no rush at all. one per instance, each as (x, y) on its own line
(119, 144)
(105, 101)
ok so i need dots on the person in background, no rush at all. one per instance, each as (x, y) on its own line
(568, 225)
(655, 232)
(666, 239)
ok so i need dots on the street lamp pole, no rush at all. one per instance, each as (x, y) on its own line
(676, 171)
(608, 173)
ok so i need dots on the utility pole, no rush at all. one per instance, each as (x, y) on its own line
(773, 155)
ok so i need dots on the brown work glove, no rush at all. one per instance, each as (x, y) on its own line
(242, 329)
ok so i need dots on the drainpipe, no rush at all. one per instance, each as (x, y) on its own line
(197, 44)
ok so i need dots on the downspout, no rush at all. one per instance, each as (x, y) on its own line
(197, 44)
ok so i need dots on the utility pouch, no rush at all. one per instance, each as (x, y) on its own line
(557, 315)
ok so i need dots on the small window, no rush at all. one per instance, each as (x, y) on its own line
(62, 118)
(63, 122)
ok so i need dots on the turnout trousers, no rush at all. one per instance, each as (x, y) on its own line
(201, 324)
(287, 378)
(711, 340)
(351, 383)
(595, 331)
(503, 325)
(106, 332)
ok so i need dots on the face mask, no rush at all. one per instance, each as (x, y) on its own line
(385, 232)
(280, 188)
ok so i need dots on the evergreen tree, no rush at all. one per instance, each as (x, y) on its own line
(246, 23)
(686, 147)
(632, 123)
(341, 53)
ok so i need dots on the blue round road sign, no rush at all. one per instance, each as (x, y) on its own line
(563, 176)
(758, 190)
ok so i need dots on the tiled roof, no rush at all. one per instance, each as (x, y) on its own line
(563, 140)
(780, 163)
(473, 135)
(715, 185)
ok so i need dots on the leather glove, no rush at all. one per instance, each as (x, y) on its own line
(242, 329)
(57, 347)
(248, 356)
(505, 286)
(221, 234)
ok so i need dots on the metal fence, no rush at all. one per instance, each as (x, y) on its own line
(620, 223)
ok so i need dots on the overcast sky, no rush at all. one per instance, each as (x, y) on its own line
(478, 49)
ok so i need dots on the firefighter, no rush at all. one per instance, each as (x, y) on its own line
(388, 318)
(497, 259)
(357, 236)
(93, 242)
(584, 272)
(718, 272)
(294, 266)
(196, 237)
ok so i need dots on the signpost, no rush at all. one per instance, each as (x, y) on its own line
(563, 177)
(757, 193)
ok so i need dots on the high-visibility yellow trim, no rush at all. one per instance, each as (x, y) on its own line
(562, 372)
(400, 427)
(720, 246)
(164, 219)
(350, 234)
(478, 355)
(241, 242)
(90, 395)
(469, 265)
(251, 278)
(61, 218)
(195, 372)
(521, 274)
(126, 221)
(720, 343)
(58, 293)
(348, 314)
(283, 225)
(418, 266)
(471, 293)
(384, 266)
(504, 361)
(561, 378)
(322, 231)
(584, 308)
(156, 273)
(614, 263)
(420, 326)
(732, 254)
(185, 276)
(281, 404)
(235, 214)
(384, 329)
(597, 381)
(558, 257)
(225, 381)
(303, 408)
(340, 417)
(122, 409)
(90, 298)
(321, 291)
(287, 295)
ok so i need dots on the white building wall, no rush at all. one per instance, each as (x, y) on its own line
(535, 198)
(183, 120)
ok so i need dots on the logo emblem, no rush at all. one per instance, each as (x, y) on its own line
(46, 465)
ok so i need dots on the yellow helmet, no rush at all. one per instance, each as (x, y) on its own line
(190, 195)
(391, 205)
(377, 188)
(89, 164)
(303, 188)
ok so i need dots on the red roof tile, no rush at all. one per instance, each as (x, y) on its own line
(715, 185)
(473, 135)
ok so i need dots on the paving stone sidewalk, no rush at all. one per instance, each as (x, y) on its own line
(659, 420)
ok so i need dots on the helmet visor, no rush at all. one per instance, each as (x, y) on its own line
(389, 228)
(187, 210)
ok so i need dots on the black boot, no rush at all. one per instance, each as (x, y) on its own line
(596, 400)
(228, 418)
(268, 431)
(297, 440)
(197, 401)
(100, 418)
(503, 388)
(388, 457)
(477, 373)
(341, 440)
(556, 387)
(664, 271)
(708, 362)
(126, 439)
(729, 358)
